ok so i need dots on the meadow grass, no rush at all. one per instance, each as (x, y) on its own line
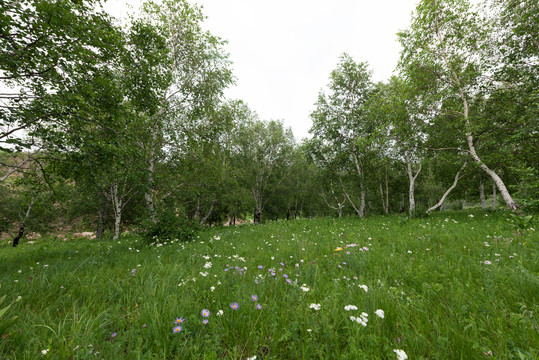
(455, 285)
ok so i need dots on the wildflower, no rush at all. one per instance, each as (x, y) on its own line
(315, 306)
(350, 307)
(205, 312)
(234, 306)
(487, 262)
(401, 355)
(205, 321)
(364, 287)
(353, 318)
(179, 320)
(380, 313)
(309, 330)
(44, 352)
(220, 312)
(254, 298)
(144, 325)
(338, 249)
(113, 335)
(260, 267)
(252, 358)
(207, 265)
(258, 307)
(212, 288)
(176, 329)
(304, 288)
(285, 276)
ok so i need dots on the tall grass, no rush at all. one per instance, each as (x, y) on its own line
(455, 285)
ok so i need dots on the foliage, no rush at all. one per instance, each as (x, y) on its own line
(5, 322)
(169, 227)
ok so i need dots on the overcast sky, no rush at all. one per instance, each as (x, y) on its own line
(284, 50)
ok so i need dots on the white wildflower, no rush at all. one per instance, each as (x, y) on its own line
(401, 355)
(380, 313)
(315, 306)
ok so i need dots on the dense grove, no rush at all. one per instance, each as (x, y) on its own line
(105, 127)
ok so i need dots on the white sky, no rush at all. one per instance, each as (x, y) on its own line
(284, 50)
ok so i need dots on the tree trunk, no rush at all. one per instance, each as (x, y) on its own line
(117, 207)
(441, 202)
(482, 195)
(148, 196)
(412, 179)
(257, 216)
(22, 226)
(382, 198)
(362, 200)
(208, 214)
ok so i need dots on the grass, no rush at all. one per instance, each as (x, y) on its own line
(82, 300)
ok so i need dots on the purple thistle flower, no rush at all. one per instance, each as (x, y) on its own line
(176, 329)
(205, 312)
(234, 306)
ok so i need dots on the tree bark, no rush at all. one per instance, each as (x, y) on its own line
(441, 202)
(148, 195)
(482, 195)
(22, 226)
(117, 207)
(411, 188)
(208, 214)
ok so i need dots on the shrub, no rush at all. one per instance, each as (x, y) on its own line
(169, 226)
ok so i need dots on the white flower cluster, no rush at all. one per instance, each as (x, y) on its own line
(304, 288)
(207, 265)
(401, 355)
(364, 287)
(315, 306)
(362, 319)
(350, 307)
(380, 313)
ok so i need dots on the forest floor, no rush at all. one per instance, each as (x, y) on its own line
(454, 285)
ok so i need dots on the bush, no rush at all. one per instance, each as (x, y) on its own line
(168, 227)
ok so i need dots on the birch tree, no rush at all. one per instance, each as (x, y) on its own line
(442, 54)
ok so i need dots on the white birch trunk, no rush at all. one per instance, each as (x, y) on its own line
(117, 207)
(442, 200)
(412, 178)
(482, 195)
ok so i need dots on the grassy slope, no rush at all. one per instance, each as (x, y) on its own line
(441, 301)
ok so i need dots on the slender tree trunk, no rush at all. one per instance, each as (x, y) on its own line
(208, 214)
(117, 207)
(412, 179)
(482, 195)
(196, 216)
(441, 202)
(22, 226)
(148, 196)
(382, 198)
(387, 190)
(493, 196)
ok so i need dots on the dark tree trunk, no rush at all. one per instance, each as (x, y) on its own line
(257, 216)
(22, 226)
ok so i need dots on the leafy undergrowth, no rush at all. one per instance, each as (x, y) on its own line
(455, 285)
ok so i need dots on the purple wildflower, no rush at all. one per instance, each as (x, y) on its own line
(179, 320)
(205, 312)
(258, 306)
(234, 306)
(254, 298)
(205, 321)
(176, 329)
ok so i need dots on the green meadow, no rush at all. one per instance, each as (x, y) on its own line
(454, 285)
